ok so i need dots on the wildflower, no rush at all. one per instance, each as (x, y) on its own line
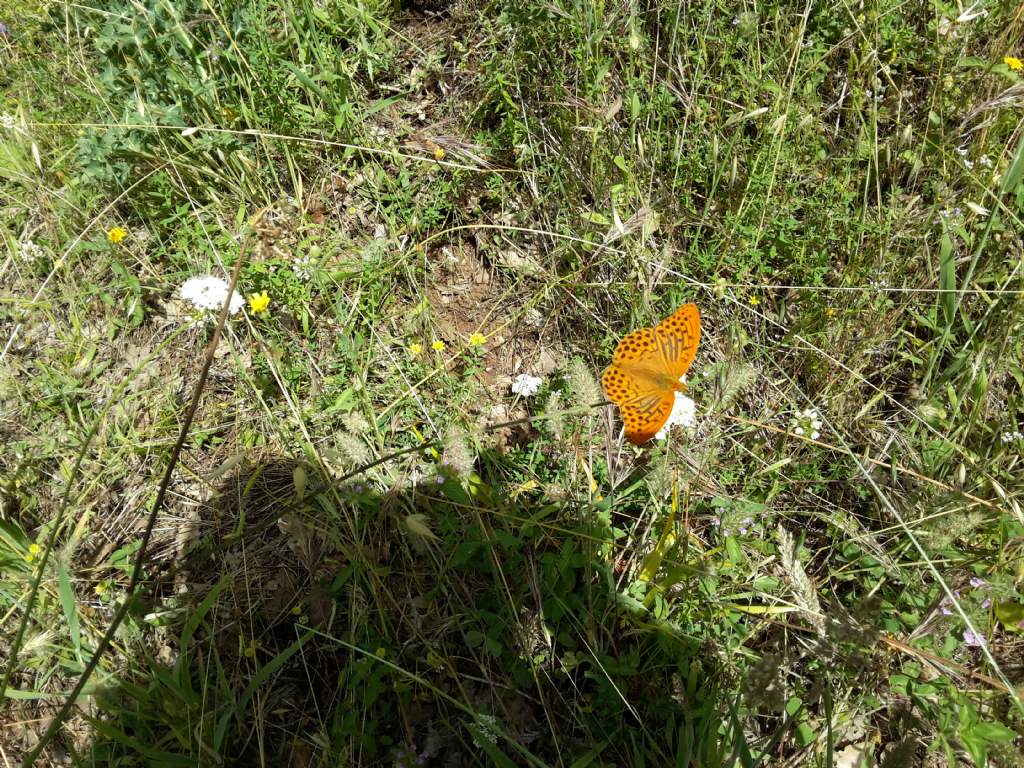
(477, 339)
(209, 293)
(526, 385)
(975, 640)
(684, 413)
(754, 301)
(34, 550)
(102, 587)
(116, 234)
(985, 161)
(1013, 63)
(258, 302)
(7, 122)
(807, 422)
(1009, 437)
(437, 346)
(976, 582)
(439, 153)
(415, 349)
(944, 608)
(830, 312)
(30, 252)
(303, 268)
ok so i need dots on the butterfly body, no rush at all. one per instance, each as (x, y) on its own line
(646, 370)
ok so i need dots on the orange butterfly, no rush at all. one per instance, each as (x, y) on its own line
(644, 375)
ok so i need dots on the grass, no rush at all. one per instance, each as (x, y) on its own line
(371, 552)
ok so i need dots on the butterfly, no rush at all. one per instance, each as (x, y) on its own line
(644, 375)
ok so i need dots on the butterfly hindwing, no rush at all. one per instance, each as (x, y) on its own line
(645, 415)
(678, 336)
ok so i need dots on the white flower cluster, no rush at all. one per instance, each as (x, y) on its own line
(303, 267)
(684, 413)
(7, 122)
(526, 385)
(807, 422)
(209, 293)
(30, 251)
(1011, 437)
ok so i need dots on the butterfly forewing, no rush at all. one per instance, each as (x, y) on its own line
(678, 336)
(639, 347)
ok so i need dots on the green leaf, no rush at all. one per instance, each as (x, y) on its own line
(1013, 175)
(1010, 615)
(947, 277)
(976, 747)
(994, 732)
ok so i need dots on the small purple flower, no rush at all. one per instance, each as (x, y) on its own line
(972, 639)
(986, 603)
(976, 582)
(3, 29)
(440, 479)
(945, 611)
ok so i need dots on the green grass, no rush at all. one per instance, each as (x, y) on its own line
(371, 552)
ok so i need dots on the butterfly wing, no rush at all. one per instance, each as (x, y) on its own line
(631, 375)
(645, 415)
(677, 337)
(630, 383)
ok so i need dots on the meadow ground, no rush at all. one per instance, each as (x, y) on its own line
(371, 551)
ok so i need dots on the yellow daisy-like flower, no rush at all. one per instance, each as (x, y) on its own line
(34, 551)
(1013, 63)
(437, 346)
(258, 302)
(116, 234)
(438, 153)
(477, 340)
(754, 301)
(830, 311)
(415, 349)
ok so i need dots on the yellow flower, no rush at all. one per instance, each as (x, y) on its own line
(1013, 63)
(477, 340)
(415, 348)
(830, 311)
(34, 550)
(437, 346)
(258, 303)
(116, 234)
(438, 153)
(754, 301)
